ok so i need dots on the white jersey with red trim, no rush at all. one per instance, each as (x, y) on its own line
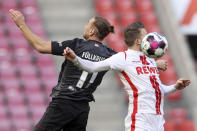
(140, 77)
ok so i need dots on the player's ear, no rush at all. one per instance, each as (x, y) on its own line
(92, 31)
(137, 42)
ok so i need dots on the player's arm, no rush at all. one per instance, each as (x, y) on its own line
(86, 65)
(180, 84)
(36, 42)
(162, 64)
(90, 66)
(110, 63)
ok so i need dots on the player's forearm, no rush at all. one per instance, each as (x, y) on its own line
(90, 66)
(35, 41)
(169, 89)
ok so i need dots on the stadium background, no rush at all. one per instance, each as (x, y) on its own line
(27, 77)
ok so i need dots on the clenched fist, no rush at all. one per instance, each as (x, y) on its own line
(162, 64)
(69, 54)
(182, 83)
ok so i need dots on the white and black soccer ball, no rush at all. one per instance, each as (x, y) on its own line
(154, 45)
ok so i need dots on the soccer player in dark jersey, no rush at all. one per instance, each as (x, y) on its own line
(69, 107)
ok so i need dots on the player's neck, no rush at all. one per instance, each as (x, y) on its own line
(136, 48)
(95, 39)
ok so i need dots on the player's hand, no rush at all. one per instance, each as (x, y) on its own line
(182, 83)
(69, 54)
(162, 64)
(17, 17)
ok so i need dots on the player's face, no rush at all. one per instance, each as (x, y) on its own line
(143, 33)
(88, 28)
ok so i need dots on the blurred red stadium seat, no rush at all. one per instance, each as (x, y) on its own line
(28, 3)
(10, 85)
(4, 44)
(2, 17)
(116, 43)
(44, 60)
(48, 72)
(18, 112)
(5, 125)
(186, 125)
(177, 114)
(32, 85)
(127, 18)
(104, 5)
(175, 96)
(2, 99)
(125, 6)
(19, 44)
(22, 58)
(2, 32)
(13, 31)
(36, 99)
(153, 28)
(3, 113)
(8, 73)
(23, 126)
(170, 126)
(37, 28)
(37, 112)
(144, 5)
(15, 100)
(5, 58)
(27, 72)
(8, 22)
(8, 4)
(32, 17)
(49, 84)
(111, 17)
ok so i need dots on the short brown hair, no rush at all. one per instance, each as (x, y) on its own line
(103, 27)
(132, 32)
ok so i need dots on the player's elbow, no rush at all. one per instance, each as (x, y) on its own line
(43, 48)
(91, 71)
(40, 49)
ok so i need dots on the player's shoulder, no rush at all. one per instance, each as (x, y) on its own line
(74, 40)
(79, 40)
(121, 55)
(110, 50)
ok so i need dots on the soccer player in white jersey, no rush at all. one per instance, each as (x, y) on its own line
(141, 79)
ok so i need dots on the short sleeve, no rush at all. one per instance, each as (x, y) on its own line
(58, 47)
(117, 61)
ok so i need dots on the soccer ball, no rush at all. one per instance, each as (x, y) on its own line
(154, 45)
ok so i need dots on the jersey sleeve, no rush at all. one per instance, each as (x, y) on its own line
(58, 47)
(114, 62)
(117, 61)
(168, 89)
(90, 66)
